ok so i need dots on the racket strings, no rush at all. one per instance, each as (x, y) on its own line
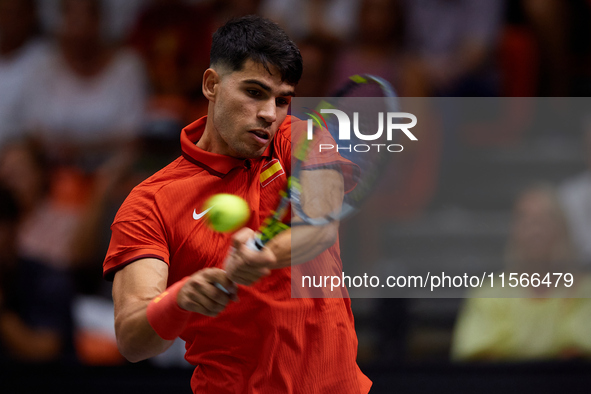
(370, 98)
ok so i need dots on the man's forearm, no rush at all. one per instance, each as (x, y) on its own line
(323, 193)
(133, 289)
(136, 339)
(302, 243)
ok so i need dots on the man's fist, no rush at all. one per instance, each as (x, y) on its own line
(244, 265)
(200, 294)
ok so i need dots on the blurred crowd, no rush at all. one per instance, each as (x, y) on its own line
(93, 94)
(531, 322)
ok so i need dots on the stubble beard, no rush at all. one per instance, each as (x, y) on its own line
(238, 147)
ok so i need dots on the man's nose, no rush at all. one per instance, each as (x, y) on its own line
(268, 111)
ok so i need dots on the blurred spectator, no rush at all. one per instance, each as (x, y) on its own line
(329, 19)
(46, 227)
(20, 54)
(452, 43)
(518, 54)
(223, 10)
(173, 38)
(118, 17)
(575, 194)
(376, 47)
(526, 327)
(36, 290)
(318, 58)
(546, 43)
(549, 21)
(53, 244)
(88, 100)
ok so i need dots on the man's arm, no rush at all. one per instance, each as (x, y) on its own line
(138, 283)
(134, 287)
(323, 193)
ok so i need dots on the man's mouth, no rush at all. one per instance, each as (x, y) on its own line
(261, 135)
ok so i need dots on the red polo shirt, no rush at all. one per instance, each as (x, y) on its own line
(267, 342)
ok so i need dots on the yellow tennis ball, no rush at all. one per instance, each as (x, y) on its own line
(226, 212)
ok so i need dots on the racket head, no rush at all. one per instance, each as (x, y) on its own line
(359, 150)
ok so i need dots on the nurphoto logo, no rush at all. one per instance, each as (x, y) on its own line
(344, 132)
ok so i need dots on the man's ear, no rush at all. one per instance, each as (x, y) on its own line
(211, 79)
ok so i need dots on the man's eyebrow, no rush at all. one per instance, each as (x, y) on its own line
(267, 88)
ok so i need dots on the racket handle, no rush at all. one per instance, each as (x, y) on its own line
(222, 288)
(255, 243)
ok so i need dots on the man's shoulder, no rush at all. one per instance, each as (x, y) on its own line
(163, 187)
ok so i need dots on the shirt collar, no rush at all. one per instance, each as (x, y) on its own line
(215, 163)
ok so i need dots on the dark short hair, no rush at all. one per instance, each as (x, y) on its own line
(259, 39)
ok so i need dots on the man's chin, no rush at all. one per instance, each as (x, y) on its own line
(251, 152)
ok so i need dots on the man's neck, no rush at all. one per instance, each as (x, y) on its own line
(210, 140)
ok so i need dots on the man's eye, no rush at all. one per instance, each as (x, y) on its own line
(254, 92)
(282, 102)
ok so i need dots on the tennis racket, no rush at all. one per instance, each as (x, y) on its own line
(367, 95)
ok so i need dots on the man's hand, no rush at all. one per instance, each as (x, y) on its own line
(199, 294)
(245, 266)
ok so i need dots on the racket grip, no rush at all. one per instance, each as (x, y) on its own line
(222, 288)
(255, 243)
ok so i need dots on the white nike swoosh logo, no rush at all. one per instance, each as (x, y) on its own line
(198, 216)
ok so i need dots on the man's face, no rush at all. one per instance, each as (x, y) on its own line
(248, 107)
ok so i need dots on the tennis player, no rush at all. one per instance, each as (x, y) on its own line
(165, 261)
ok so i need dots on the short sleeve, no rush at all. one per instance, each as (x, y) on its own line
(137, 232)
(132, 82)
